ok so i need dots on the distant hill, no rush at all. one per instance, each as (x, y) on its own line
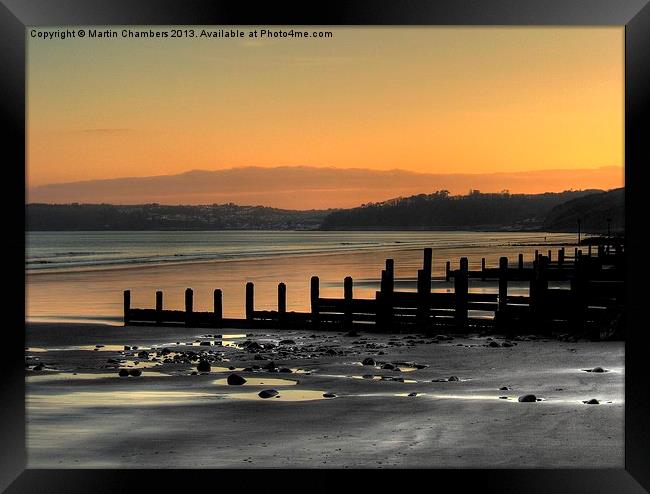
(592, 210)
(437, 211)
(441, 210)
(309, 187)
(80, 217)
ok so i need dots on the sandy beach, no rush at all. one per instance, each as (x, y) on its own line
(81, 414)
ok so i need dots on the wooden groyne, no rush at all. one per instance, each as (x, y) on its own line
(593, 300)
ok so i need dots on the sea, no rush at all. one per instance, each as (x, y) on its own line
(80, 276)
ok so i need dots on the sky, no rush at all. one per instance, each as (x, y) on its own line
(421, 99)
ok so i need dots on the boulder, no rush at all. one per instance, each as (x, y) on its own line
(287, 342)
(329, 395)
(267, 393)
(235, 380)
(369, 361)
(388, 366)
(286, 370)
(453, 378)
(203, 366)
(135, 372)
(494, 344)
(413, 394)
(123, 373)
(593, 401)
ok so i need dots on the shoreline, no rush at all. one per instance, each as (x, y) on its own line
(199, 423)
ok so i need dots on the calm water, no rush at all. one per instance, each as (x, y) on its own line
(81, 275)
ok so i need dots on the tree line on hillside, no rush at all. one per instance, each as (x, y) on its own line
(596, 209)
(441, 210)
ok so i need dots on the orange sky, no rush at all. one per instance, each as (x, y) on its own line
(436, 100)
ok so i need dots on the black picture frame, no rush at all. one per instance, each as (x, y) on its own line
(15, 15)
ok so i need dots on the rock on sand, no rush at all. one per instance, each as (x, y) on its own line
(203, 366)
(527, 399)
(235, 380)
(267, 393)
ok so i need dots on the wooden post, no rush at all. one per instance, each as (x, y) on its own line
(521, 262)
(536, 254)
(347, 297)
(549, 255)
(578, 296)
(541, 305)
(427, 263)
(159, 307)
(460, 291)
(447, 271)
(250, 301)
(501, 314)
(315, 295)
(424, 290)
(483, 268)
(282, 300)
(127, 307)
(189, 306)
(532, 290)
(217, 297)
(560, 257)
(503, 283)
(390, 275)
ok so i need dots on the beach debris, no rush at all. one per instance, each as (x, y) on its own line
(203, 366)
(593, 401)
(329, 395)
(527, 399)
(135, 372)
(235, 380)
(369, 361)
(268, 393)
(123, 373)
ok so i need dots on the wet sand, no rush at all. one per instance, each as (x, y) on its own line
(80, 414)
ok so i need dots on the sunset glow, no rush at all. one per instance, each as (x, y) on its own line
(426, 100)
